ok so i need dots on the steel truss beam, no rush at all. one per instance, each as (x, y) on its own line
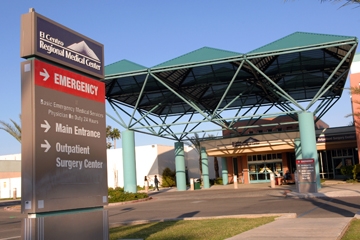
(179, 127)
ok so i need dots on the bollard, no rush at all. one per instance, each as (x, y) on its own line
(14, 193)
(191, 184)
(235, 182)
(146, 184)
(272, 180)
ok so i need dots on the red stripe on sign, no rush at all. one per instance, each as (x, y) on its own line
(304, 161)
(59, 79)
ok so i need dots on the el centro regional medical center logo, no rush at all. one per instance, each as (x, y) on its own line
(78, 52)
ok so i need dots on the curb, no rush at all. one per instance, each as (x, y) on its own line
(328, 194)
(277, 215)
(9, 203)
(317, 195)
(344, 230)
(127, 202)
(9, 206)
(304, 196)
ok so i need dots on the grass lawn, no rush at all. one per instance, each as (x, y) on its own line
(353, 232)
(189, 229)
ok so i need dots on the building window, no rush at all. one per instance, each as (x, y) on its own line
(269, 130)
(279, 129)
(264, 157)
(260, 131)
(342, 152)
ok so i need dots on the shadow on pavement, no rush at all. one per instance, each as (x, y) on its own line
(323, 205)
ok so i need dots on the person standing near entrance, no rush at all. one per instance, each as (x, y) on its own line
(156, 181)
(287, 177)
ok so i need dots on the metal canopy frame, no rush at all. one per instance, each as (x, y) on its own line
(175, 101)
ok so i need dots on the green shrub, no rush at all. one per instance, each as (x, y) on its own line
(119, 195)
(219, 181)
(355, 171)
(168, 178)
(350, 172)
(347, 171)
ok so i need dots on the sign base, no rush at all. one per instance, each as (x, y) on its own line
(307, 187)
(77, 224)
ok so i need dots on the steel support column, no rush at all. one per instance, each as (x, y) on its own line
(180, 166)
(205, 168)
(129, 161)
(224, 172)
(308, 141)
(298, 153)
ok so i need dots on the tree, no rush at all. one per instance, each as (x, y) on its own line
(195, 142)
(112, 134)
(13, 128)
(168, 178)
(347, 2)
(216, 163)
(115, 134)
(354, 91)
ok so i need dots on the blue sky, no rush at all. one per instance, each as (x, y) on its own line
(152, 32)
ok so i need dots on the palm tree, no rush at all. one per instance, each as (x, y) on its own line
(13, 129)
(108, 132)
(113, 134)
(216, 163)
(195, 142)
(354, 91)
(347, 1)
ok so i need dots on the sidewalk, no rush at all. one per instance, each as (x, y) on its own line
(308, 228)
(299, 228)
(288, 226)
(332, 189)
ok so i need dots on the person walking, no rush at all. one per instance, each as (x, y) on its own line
(156, 181)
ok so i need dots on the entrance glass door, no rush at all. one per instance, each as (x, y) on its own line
(260, 172)
(264, 172)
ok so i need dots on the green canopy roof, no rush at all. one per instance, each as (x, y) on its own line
(200, 55)
(299, 40)
(123, 66)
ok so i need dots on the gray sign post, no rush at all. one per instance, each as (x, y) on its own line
(306, 177)
(64, 164)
